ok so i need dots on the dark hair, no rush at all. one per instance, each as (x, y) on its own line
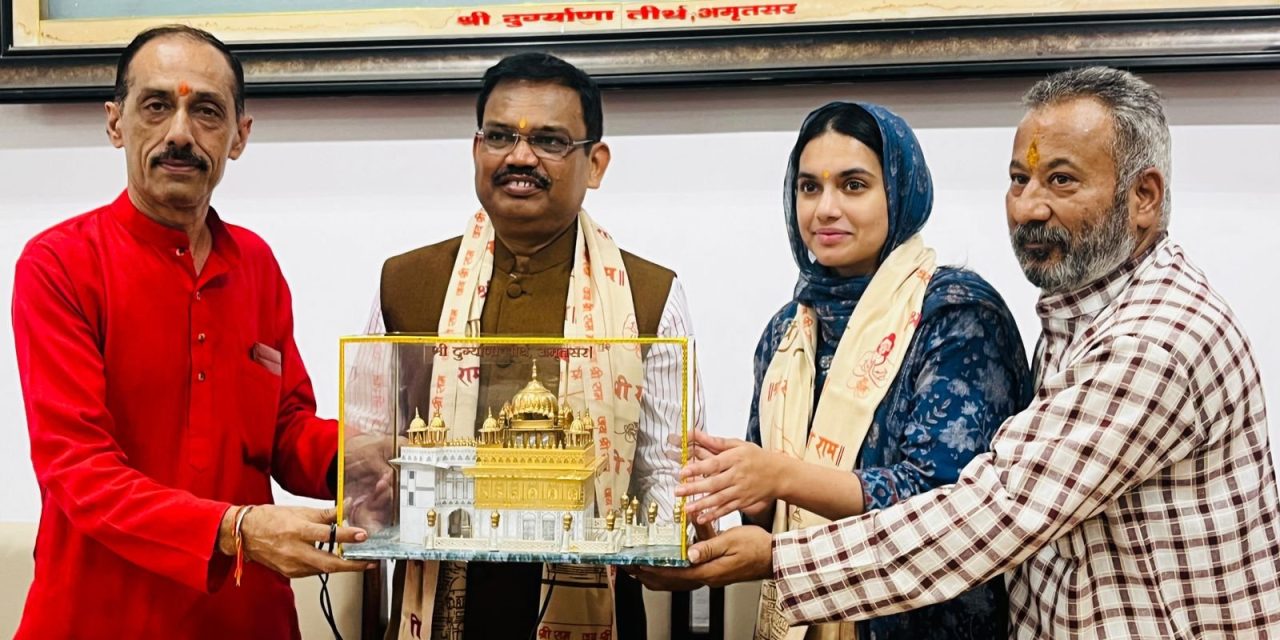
(544, 67)
(845, 118)
(199, 35)
(840, 117)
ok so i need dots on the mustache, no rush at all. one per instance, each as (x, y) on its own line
(1041, 233)
(528, 173)
(183, 155)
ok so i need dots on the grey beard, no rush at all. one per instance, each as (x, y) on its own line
(1088, 255)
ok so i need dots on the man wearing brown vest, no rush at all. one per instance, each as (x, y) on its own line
(550, 271)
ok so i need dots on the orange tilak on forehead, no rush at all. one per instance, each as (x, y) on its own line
(1033, 151)
(184, 89)
(523, 124)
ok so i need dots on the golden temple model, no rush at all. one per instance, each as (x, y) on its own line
(532, 467)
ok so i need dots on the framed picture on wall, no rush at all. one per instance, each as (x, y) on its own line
(64, 49)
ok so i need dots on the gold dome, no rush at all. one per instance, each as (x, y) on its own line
(491, 430)
(437, 422)
(417, 425)
(534, 401)
(490, 423)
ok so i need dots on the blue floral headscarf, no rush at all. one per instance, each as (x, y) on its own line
(909, 190)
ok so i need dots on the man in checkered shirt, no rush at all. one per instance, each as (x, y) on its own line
(1135, 497)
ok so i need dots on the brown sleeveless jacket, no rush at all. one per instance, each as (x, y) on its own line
(414, 283)
(526, 297)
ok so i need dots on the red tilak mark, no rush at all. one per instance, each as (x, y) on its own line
(183, 88)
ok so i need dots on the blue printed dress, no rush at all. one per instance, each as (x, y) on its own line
(963, 374)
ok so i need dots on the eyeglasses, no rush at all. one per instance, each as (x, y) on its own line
(544, 145)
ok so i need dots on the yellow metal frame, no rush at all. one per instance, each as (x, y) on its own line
(685, 382)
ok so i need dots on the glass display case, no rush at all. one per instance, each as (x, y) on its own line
(516, 449)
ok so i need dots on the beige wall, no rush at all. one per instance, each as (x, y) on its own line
(338, 184)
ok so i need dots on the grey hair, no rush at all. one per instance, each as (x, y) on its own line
(1137, 111)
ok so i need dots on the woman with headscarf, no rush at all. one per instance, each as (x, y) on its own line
(879, 380)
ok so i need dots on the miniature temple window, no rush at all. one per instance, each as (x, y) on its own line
(459, 524)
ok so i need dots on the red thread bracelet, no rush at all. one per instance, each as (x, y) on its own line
(240, 515)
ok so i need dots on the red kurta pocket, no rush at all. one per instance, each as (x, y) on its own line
(259, 399)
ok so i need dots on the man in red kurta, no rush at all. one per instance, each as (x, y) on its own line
(162, 385)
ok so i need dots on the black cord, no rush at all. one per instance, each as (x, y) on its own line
(551, 586)
(326, 606)
(326, 602)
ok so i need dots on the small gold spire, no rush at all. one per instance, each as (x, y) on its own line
(635, 511)
(431, 519)
(567, 521)
(653, 512)
(610, 520)
(494, 519)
